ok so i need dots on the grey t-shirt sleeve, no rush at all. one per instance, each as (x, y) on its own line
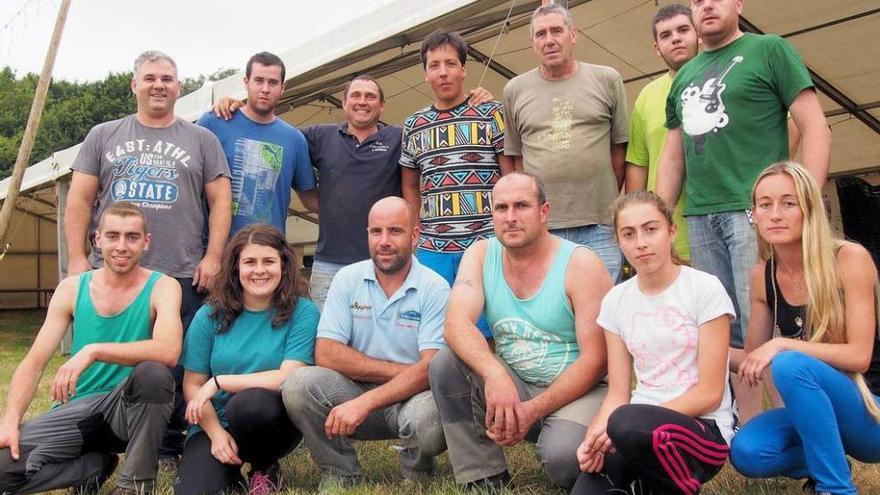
(214, 159)
(88, 159)
(619, 122)
(512, 140)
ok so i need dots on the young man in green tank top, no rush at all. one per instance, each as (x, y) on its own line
(544, 382)
(115, 393)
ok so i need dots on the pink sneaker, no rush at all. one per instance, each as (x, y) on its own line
(265, 482)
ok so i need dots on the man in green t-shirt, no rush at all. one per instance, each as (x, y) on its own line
(726, 115)
(116, 392)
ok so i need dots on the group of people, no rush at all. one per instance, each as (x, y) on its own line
(194, 337)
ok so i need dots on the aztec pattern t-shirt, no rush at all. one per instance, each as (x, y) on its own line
(456, 151)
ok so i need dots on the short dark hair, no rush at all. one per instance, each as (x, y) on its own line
(363, 77)
(124, 209)
(668, 12)
(439, 38)
(540, 190)
(266, 58)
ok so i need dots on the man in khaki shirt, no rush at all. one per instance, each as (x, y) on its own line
(565, 122)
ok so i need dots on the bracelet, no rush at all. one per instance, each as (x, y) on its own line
(217, 383)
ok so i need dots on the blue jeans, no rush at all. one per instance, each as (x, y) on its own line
(823, 420)
(600, 239)
(319, 283)
(724, 244)
(446, 265)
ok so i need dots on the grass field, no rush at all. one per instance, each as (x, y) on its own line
(17, 329)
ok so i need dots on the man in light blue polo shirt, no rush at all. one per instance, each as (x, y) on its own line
(381, 325)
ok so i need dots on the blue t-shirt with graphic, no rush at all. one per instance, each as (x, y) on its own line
(266, 160)
(250, 345)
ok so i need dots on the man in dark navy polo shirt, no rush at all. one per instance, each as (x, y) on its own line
(357, 164)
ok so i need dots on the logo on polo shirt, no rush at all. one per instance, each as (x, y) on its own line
(411, 315)
(379, 146)
(360, 307)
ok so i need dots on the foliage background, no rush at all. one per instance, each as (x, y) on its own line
(72, 108)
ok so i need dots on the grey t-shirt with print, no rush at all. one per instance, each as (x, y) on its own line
(163, 171)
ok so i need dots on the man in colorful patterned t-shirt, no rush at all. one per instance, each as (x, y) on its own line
(452, 155)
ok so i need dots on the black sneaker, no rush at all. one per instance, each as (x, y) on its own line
(93, 485)
(493, 484)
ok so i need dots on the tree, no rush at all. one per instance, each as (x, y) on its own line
(188, 85)
(72, 108)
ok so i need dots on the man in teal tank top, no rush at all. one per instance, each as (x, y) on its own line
(115, 393)
(544, 382)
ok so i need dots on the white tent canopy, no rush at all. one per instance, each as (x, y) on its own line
(385, 43)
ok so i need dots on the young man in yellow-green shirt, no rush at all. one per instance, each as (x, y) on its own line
(676, 42)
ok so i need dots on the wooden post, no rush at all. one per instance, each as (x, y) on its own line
(33, 124)
(61, 188)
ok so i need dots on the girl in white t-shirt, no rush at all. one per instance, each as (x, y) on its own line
(671, 324)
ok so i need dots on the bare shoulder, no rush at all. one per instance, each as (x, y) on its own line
(478, 248)
(167, 283)
(586, 274)
(66, 292)
(471, 268)
(166, 289)
(855, 261)
(585, 261)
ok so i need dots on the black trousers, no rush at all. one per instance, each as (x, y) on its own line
(172, 442)
(657, 451)
(262, 431)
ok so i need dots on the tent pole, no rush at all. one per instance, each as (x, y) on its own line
(33, 124)
(61, 188)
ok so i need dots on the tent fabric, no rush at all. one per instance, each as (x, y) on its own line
(384, 43)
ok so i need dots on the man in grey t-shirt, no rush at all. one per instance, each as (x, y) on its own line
(174, 171)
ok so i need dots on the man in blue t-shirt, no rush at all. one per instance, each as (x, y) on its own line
(266, 155)
(382, 324)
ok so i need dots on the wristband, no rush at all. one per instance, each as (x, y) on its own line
(217, 383)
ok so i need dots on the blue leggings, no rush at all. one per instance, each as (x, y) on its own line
(824, 419)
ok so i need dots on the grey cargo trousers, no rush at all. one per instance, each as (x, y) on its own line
(66, 447)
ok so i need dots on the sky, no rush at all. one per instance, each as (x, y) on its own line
(102, 36)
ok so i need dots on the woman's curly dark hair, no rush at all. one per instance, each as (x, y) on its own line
(227, 295)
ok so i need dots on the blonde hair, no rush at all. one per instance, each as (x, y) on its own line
(825, 317)
(645, 197)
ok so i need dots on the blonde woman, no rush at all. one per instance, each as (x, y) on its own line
(819, 293)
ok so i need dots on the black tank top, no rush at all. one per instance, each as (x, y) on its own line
(789, 322)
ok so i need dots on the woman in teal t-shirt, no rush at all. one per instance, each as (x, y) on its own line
(238, 350)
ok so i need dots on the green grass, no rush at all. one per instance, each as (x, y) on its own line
(18, 328)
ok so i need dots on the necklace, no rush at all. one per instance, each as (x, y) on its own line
(798, 283)
(798, 320)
